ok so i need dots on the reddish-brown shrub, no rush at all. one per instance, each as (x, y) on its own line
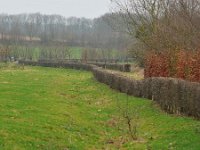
(177, 64)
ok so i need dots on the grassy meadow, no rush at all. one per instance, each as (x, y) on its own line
(61, 109)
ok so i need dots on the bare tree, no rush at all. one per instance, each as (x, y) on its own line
(162, 24)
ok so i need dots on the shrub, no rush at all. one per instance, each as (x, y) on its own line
(179, 64)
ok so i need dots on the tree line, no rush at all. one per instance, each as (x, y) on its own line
(161, 24)
(95, 33)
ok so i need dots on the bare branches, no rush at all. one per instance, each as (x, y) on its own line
(162, 24)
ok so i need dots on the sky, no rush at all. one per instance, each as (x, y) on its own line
(67, 8)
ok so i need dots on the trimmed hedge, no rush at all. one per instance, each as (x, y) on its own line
(70, 65)
(177, 64)
(173, 95)
(113, 66)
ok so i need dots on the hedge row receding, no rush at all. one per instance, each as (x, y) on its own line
(71, 65)
(114, 66)
(111, 66)
(173, 95)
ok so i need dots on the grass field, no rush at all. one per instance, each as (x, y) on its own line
(75, 52)
(60, 109)
(20, 51)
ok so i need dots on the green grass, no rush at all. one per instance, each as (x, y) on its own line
(47, 108)
(76, 52)
(20, 51)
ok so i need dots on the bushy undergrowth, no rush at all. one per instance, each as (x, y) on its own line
(180, 64)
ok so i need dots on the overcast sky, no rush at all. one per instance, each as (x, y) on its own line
(67, 8)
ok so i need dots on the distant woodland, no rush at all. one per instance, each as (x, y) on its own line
(45, 29)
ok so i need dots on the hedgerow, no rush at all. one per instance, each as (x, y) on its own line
(179, 64)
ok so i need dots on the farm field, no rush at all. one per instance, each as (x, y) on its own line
(20, 51)
(73, 52)
(55, 108)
